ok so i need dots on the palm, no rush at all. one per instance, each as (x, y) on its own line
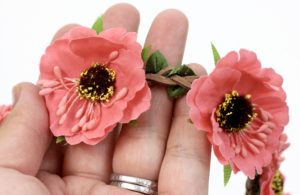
(157, 149)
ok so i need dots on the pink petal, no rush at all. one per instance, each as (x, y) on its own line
(224, 79)
(193, 93)
(119, 35)
(93, 49)
(109, 118)
(212, 91)
(230, 60)
(59, 54)
(127, 60)
(245, 165)
(219, 156)
(224, 145)
(80, 32)
(74, 139)
(64, 129)
(138, 105)
(271, 76)
(276, 107)
(115, 35)
(93, 141)
(200, 120)
(248, 62)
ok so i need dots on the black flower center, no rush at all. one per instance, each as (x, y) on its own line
(235, 112)
(97, 83)
(277, 183)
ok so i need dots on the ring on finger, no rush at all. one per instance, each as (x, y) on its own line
(135, 184)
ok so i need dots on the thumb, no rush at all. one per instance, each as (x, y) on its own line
(24, 135)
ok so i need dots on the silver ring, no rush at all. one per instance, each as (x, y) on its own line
(135, 188)
(134, 180)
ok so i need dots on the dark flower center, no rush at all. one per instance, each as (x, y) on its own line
(277, 183)
(235, 112)
(97, 83)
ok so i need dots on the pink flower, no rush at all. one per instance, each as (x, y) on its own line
(271, 180)
(4, 111)
(93, 82)
(242, 108)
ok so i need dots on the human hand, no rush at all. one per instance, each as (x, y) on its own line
(163, 146)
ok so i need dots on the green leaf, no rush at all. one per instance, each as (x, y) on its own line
(227, 173)
(146, 53)
(59, 139)
(182, 70)
(156, 62)
(175, 92)
(133, 123)
(98, 25)
(215, 53)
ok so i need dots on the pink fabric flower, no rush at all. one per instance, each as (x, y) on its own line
(242, 108)
(4, 111)
(271, 180)
(93, 82)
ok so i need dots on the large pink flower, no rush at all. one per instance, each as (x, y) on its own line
(242, 108)
(271, 180)
(93, 82)
(4, 111)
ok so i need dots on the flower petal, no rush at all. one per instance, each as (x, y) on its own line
(230, 60)
(138, 105)
(248, 62)
(212, 91)
(79, 32)
(115, 35)
(276, 107)
(59, 54)
(93, 49)
(119, 35)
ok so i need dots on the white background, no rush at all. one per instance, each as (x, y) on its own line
(271, 28)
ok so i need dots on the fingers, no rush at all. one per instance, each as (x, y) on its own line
(95, 161)
(187, 159)
(140, 149)
(122, 15)
(24, 136)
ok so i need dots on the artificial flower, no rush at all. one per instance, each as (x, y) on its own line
(92, 82)
(4, 111)
(271, 181)
(243, 109)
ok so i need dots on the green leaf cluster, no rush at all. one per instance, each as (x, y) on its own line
(177, 91)
(155, 62)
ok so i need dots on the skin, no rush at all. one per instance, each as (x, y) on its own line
(164, 146)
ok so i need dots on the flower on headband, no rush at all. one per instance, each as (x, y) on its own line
(271, 181)
(242, 108)
(93, 82)
(4, 111)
